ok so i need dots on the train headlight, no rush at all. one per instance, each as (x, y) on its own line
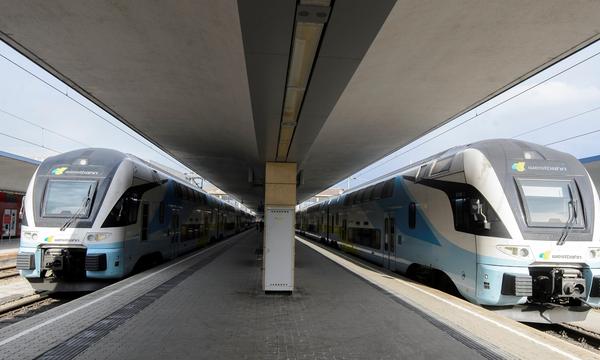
(594, 253)
(522, 252)
(30, 235)
(97, 236)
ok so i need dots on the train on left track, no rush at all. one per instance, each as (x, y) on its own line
(93, 216)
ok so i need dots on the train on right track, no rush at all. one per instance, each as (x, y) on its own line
(512, 225)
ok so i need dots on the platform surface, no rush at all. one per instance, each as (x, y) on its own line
(217, 310)
(210, 305)
(9, 246)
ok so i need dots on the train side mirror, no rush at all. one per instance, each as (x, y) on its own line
(478, 215)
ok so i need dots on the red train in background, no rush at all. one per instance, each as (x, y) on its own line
(10, 206)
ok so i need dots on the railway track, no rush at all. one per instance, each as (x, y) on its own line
(7, 272)
(28, 306)
(573, 334)
(22, 302)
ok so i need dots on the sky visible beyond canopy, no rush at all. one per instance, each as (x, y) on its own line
(40, 116)
(559, 107)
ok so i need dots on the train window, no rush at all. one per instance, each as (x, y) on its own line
(366, 194)
(550, 203)
(370, 191)
(422, 172)
(144, 235)
(68, 198)
(344, 200)
(473, 214)
(366, 237)
(411, 175)
(177, 189)
(161, 212)
(442, 165)
(22, 212)
(125, 211)
(388, 189)
(461, 209)
(377, 191)
(356, 197)
(412, 215)
(348, 200)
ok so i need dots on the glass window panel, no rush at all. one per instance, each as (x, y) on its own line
(548, 202)
(64, 198)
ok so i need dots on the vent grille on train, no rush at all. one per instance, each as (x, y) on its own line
(516, 285)
(25, 261)
(95, 262)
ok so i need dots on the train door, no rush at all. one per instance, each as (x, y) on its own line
(389, 245)
(327, 227)
(175, 234)
(332, 236)
(144, 225)
(221, 226)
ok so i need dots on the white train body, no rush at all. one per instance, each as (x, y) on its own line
(95, 214)
(512, 224)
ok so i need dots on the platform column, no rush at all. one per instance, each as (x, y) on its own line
(280, 203)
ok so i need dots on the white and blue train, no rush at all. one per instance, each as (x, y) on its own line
(513, 226)
(96, 215)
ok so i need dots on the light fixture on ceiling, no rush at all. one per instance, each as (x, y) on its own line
(311, 16)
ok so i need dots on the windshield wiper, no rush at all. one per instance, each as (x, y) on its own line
(569, 224)
(83, 206)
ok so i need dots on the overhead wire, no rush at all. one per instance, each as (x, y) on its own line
(572, 137)
(29, 142)
(66, 93)
(43, 128)
(557, 122)
(477, 114)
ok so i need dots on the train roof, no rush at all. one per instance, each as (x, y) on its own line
(109, 159)
(498, 151)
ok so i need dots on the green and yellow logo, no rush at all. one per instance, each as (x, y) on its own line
(545, 255)
(49, 239)
(519, 166)
(59, 170)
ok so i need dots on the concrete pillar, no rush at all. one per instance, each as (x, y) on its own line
(280, 203)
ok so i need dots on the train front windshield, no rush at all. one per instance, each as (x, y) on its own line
(551, 203)
(65, 198)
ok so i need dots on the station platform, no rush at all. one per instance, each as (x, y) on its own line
(8, 251)
(9, 246)
(210, 305)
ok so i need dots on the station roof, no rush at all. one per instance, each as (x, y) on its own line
(15, 172)
(205, 80)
